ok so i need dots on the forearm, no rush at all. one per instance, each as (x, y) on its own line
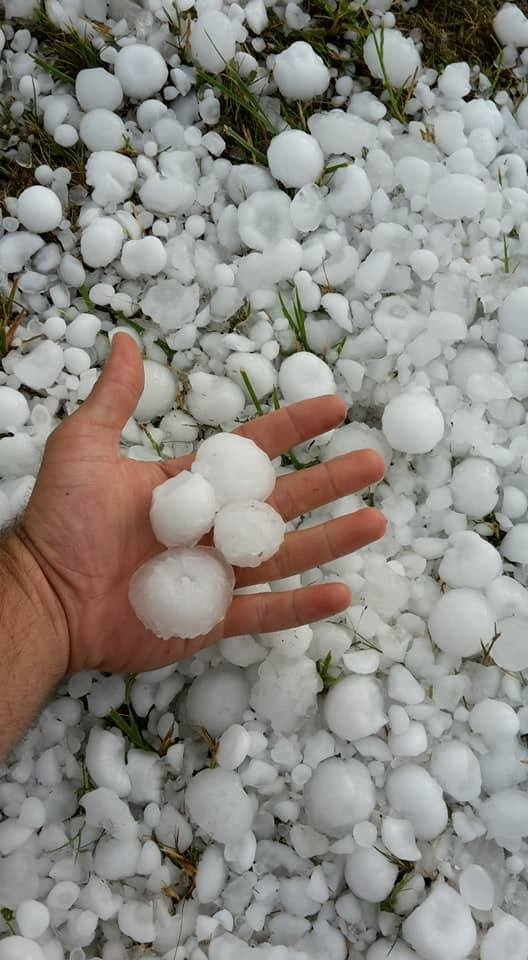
(33, 640)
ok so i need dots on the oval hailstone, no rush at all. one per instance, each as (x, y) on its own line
(14, 409)
(398, 837)
(300, 73)
(369, 874)
(514, 546)
(457, 195)
(39, 209)
(353, 708)
(264, 219)
(96, 87)
(442, 926)
(339, 794)
(303, 376)
(456, 768)
(20, 948)
(218, 803)
(217, 699)
(475, 487)
(141, 70)
(412, 422)
(295, 158)
(249, 533)
(236, 467)
(388, 54)
(510, 649)
(101, 242)
(461, 623)
(111, 175)
(102, 129)
(469, 561)
(416, 796)
(182, 510)
(212, 41)
(159, 392)
(182, 592)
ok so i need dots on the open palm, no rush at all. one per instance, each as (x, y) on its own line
(87, 524)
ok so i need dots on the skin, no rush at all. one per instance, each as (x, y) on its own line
(64, 572)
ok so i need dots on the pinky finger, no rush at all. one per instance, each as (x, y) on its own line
(268, 612)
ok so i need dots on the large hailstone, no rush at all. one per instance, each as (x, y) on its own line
(237, 469)
(96, 87)
(513, 313)
(14, 409)
(101, 242)
(295, 158)
(214, 400)
(462, 623)
(20, 948)
(353, 708)
(475, 486)
(416, 796)
(217, 699)
(300, 73)
(212, 41)
(102, 129)
(141, 70)
(39, 209)
(217, 802)
(264, 219)
(469, 561)
(182, 510)
(369, 874)
(442, 926)
(391, 56)
(457, 195)
(159, 392)
(303, 376)
(249, 533)
(182, 592)
(339, 794)
(412, 422)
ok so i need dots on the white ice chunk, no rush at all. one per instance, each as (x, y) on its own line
(462, 622)
(416, 796)
(300, 73)
(412, 422)
(40, 368)
(353, 708)
(39, 209)
(303, 375)
(369, 874)
(96, 87)
(212, 41)
(182, 510)
(218, 803)
(339, 794)
(390, 55)
(159, 392)
(248, 533)
(141, 70)
(442, 927)
(217, 699)
(295, 158)
(236, 467)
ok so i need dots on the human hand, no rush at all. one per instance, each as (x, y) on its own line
(87, 525)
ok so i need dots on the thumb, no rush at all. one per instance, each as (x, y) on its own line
(118, 389)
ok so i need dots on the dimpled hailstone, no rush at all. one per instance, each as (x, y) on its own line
(144, 257)
(469, 561)
(159, 392)
(102, 129)
(182, 592)
(182, 509)
(40, 368)
(217, 699)
(462, 622)
(236, 467)
(14, 409)
(369, 874)
(96, 87)
(391, 56)
(264, 219)
(248, 533)
(303, 376)
(20, 948)
(295, 158)
(212, 41)
(412, 422)
(39, 209)
(214, 400)
(353, 708)
(216, 800)
(141, 70)
(442, 926)
(339, 794)
(300, 73)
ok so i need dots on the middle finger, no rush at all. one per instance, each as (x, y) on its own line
(298, 493)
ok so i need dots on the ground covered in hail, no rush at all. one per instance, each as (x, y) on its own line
(280, 201)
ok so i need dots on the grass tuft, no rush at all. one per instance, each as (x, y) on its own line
(296, 317)
(126, 719)
(63, 51)
(328, 678)
(12, 314)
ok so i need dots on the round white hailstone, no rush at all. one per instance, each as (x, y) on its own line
(457, 195)
(144, 257)
(412, 422)
(506, 817)
(398, 837)
(455, 81)
(476, 887)
(390, 55)
(236, 467)
(217, 699)
(511, 28)
(264, 219)
(295, 158)
(456, 768)
(182, 510)
(461, 623)
(339, 794)
(20, 948)
(303, 376)
(141, 70)
(76, 360)
(353, 708)
(300, 73)
(513, 313)
(442, 926)
(182, 592)
(83, 330)
(111, 175)
(159, 392)
(39, 209)
(210, 874)
(249, 533)
(40, 368)
(514, 546)
(350, 191)
(416, 796)
(469, 561)
(496, 722)
(65, 135)
(32, 918)
(96, 87)
(475, 487)
(101, 242)
(214, 400)
(369, 874)
(102, 130)
(212, 41)
(218, 803)
(233, 747)
(510, 649)
(507, 939)
(136, 920)
(261, 372)
(286, 691)
(14, 409)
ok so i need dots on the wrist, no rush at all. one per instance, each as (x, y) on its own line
(36, 618)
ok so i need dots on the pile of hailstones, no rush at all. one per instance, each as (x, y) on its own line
(185, 591)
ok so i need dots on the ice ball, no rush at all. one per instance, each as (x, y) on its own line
(369, 874)
(303, 376)
(295, 158)
(462, 622)
(14, 409)
(469, 561)
(442, 926)
(218, 803)
(182, 509)
(248, 533)
(353, 708)
(96, 87)
(159, 392)
(217, 699)
(391, 56)
(141, 70)
(182, 592)
(236, 467)
(339, 794)
(412, 422)
(475, 486)
(515, 544)
(212, 41)
(39, 209)
(300, 73)
(20, 948)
